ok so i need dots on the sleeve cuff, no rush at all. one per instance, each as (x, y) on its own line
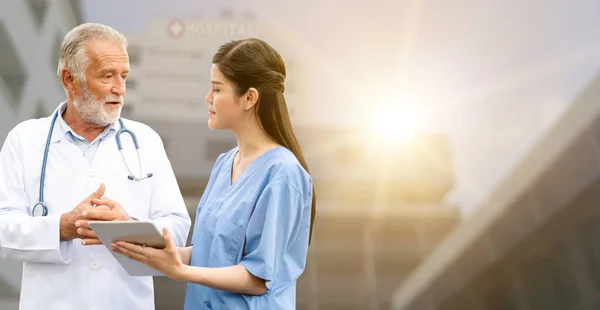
(65, 248)
(38, 241)
(258, 270)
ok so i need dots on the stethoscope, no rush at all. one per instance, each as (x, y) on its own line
(39, 209)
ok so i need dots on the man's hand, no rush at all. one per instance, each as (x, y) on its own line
(105, 210)
(68, 230)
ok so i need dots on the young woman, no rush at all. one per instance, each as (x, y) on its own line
(254, 220)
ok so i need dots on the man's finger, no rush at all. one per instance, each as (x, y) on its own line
(87, 233)
(83, 224)
(99, 215)
(104, 201)
(91, 242)
(103, 207)
(97, 194)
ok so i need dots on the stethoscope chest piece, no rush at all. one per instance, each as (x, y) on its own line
(39, 210)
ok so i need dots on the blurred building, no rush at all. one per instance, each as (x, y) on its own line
(31, 32)
(534, 243)
(171, 62)
(380, 213)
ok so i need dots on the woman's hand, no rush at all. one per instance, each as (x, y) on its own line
(168, 260)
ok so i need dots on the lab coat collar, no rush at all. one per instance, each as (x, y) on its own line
(59, 132)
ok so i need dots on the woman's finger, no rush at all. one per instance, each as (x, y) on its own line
(128, 246)
(129, 253)
(168, 241)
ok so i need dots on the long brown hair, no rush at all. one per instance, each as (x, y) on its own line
(254, 63)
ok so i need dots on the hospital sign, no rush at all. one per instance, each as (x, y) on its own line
(178, 28)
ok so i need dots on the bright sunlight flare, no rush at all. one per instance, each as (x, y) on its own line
(397, 122)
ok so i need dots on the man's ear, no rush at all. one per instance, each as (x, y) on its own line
(250, 98)
(68, 80)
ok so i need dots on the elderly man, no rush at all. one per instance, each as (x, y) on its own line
(61, 171)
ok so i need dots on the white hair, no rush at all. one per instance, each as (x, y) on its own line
(72, 49)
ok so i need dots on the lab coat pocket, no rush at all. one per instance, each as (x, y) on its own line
(226, 247)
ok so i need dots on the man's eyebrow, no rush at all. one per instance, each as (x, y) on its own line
(107, 70)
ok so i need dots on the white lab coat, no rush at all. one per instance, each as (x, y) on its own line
(66, 275)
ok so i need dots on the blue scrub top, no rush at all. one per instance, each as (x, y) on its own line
(262, 222)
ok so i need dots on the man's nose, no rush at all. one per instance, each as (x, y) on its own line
(119, 87)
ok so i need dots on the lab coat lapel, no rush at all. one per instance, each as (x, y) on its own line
(63, 189)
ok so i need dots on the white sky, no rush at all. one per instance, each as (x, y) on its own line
(492, 75)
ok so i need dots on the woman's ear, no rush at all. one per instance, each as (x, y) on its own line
(250, 98)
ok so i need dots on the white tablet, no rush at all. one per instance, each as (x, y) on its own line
(138, 232)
